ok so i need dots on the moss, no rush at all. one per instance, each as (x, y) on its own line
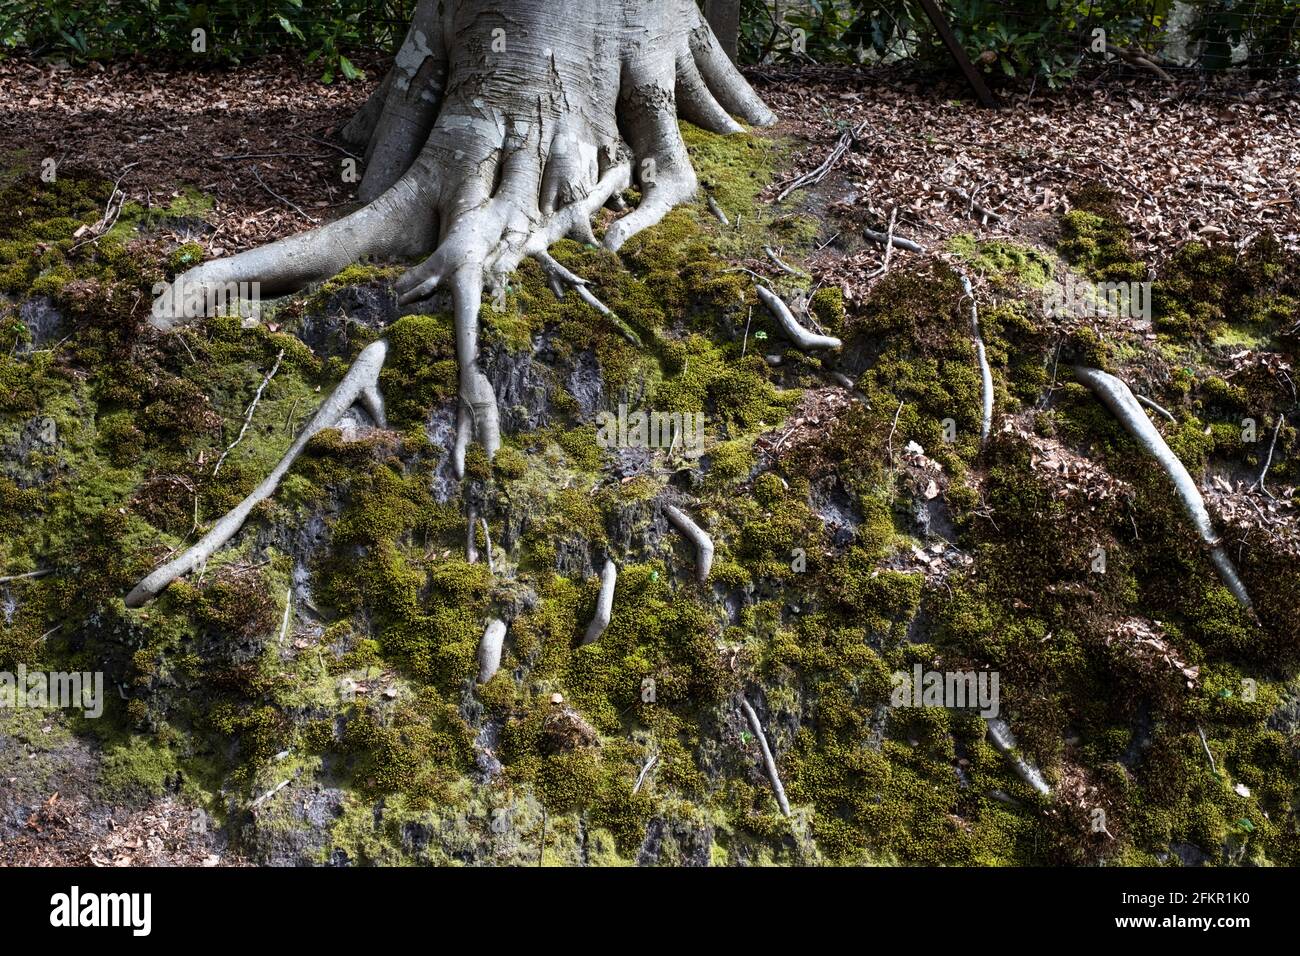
(1004, 261)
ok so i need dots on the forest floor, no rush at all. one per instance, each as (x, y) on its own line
(1128, 179)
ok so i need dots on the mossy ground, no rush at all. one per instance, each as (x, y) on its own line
(371, 685)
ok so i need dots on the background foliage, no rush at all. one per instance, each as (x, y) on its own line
(1047, 39)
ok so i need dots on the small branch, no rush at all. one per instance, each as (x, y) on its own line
(801, 337)
(889, 442)
(487, 542)
(767, 756)
(561, 277)
(489, 649)
(248, 418)
(1268, 461)
(986, 373)
(1138, 59)
(972, 205)
(275, 195)
(1117, 397)
(897, 242)
(604, 603)
(703, 543)
(288, 608)
(815, 176)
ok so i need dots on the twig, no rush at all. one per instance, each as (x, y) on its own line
(1268, 461)
(268, 795)
(716, 210)
(248, 418)
(487, 542)
(275, 195)
(889, 442)
(1117, 397)
(984, 211)
(818, 174)
(768, 761)
(745, 344)
(780, 263)
(288, 607)
(703, 543)
(1005, 742)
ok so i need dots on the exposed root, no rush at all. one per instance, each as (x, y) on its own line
(768, 761)
(489, 649)
(716, 210)
(697, 536)
(898, 242)
(1117, 397)
(1155, 407)
(1002, 738)
(801, 337)
(604, 603)
(476, 159)
(361, 380)
(780, 263)
(562, 278)
(1268, 460)
(986, 374)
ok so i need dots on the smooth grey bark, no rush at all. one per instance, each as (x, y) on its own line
(503, 127)
(724, 18)
(604, 603)
(796, 333)
(1116, 396)
(359, 385)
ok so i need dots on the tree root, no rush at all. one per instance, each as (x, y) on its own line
(780, 263)
(1117, 397)
(768, 761)
(986, 374)
(1005, 742)
(476, 159)
(885, 239)
(360, 385)
(489, 649)
(697, 536)
(801, 337)
(604, 603)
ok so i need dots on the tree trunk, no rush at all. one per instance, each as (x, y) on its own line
(724, 18)
(503, 127)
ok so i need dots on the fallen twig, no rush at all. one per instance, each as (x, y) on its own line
(248, 418)
(716, 210)
(1158, 409)
(780, 263)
